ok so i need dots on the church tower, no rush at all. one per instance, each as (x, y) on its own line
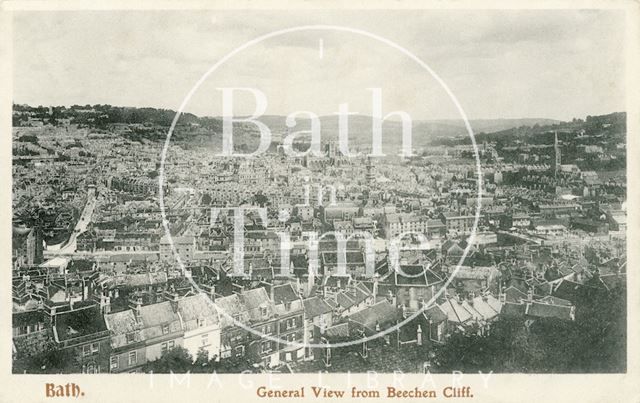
(557, 155)
(371, 176)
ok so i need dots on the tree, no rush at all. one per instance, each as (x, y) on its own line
(594, 343)
(261, 199)
(29, 138)
(50, 361)
(176, 360)
(202, 364)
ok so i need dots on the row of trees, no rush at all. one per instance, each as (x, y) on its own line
(179, 360)
(594, 343)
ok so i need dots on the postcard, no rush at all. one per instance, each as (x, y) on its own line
(320, 201)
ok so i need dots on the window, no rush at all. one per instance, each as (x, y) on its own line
(263, 311)
(95, 347)
(290, 323)
(266, 347)
(86, 350)
(239, 350)
(90, 368)
(165, 329)
(291, 338)
(168, 346)
(133, 357)
(113, 362)
(205, 339)
(201, 322)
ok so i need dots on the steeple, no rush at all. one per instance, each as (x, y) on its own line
(557, 155)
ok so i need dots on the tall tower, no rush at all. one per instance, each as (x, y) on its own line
(557, 155)
(370, 173)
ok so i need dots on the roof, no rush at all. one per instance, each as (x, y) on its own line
(336, 281)
(416, 275)
(121, 322)
(315, 306)
(137, 280)
(354, 295)
(254, 300)
(228, 307)
(178, 240)
(567, 289)
(338, 331)
(455, 311)
(79, 322)
(196, 307)
(513, 294)
(545, 310)
(284, 293)
(555, 301)
(27, 318)
(435, 314)
(157, 314)
(55, 262)
(379, 314)
(486, 306)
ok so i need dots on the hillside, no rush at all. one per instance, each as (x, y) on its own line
(152, 124)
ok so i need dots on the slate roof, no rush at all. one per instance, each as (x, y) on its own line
(254, 300)
(338, 331)
(284, 293)
(197, 307)
(544, 310)
(381, 313)
(157, 314)
(555, 301)
(353, 296)
(121, 322)
(568, 290)
(513, 294)
(315, 306)
(435, 314)
(455, 311)
(228, 307)
(416, 275)
(79, 322)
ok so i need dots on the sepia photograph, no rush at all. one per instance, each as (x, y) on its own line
(316, 191)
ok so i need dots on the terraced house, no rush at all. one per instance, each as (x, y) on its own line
(290, 313)
(128, 352)
(142, 334)
(201, 325)
(82, 331)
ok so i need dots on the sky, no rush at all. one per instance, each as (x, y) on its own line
(557, 64)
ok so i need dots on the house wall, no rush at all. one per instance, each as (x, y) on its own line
(194, 340)
(99, 359)
(154, 348)
(122, 358)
